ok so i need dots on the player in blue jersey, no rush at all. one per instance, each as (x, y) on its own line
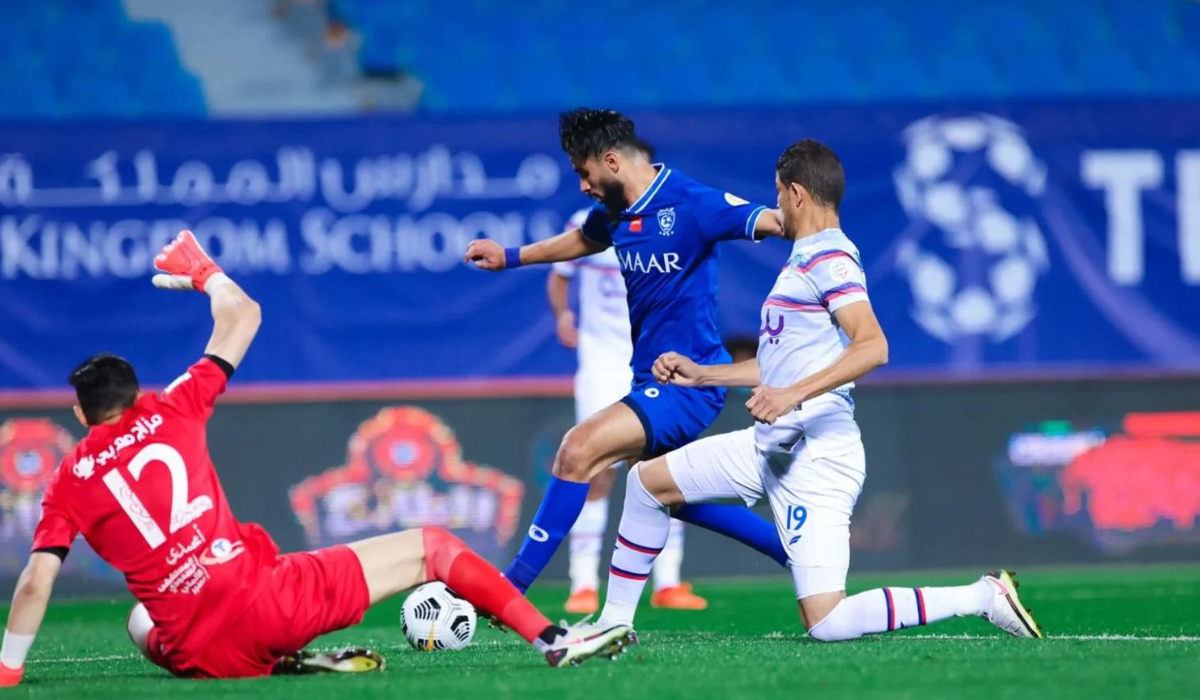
(665, 227)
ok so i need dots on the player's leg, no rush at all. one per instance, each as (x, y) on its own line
(587, 539)
(141, 632)
(833, 617)
(612, 435)
(399, 561)
(717, 467)
(812, 500)
(674, 416)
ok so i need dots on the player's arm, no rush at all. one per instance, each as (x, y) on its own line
(570, 245)
(236, 317)
(673, 368)
(29, 603)
(558, 286)
(769, 224)
(868, 349)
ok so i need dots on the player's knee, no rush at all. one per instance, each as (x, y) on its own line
(138, 625)
(574, 459)
(823, 625)
(441, 549)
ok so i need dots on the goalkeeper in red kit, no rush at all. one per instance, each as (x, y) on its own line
(215, 597)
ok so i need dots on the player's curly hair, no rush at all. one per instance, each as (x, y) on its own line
(588, 133)
(815, 167)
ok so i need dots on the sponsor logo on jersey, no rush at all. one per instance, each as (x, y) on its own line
(634, 262)
(840, 269)
(84, 468)
(222, 551)
(635, 224)
(537, 534)
(773, 332)
(734, 200)
(404, 468)
(182, 549)
(666, 221)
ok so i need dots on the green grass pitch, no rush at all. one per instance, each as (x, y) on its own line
(1114, 633)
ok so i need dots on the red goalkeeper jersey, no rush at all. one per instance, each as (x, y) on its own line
(144, 494)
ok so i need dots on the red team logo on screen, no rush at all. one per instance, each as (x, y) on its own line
(1120, 489)
(404, 468)
(30, 450)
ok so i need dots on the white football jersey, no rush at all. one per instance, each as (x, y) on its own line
(604, 334)
(800, 336)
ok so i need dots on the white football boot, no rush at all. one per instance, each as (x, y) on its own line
(1005, 609)
(582, 642)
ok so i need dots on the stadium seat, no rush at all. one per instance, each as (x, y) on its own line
(84, 59)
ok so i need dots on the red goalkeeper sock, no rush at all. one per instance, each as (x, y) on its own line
(450, 561)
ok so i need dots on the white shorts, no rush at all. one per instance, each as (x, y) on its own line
(811, 498)
(597, 388)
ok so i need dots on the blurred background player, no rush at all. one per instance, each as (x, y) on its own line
(602, 340)
(216, 599)
(805, 453)
(665, 228)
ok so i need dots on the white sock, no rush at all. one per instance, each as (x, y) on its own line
(886, 609)
(587, 538)
(645, 525)
(14, 649)
(666, 566)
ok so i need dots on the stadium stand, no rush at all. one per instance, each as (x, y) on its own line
(489, 55)
(551, 53)
(110, 67)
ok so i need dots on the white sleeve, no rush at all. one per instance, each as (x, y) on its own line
(565, 269)
(838, 279)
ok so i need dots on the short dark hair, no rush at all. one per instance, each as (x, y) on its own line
(104, 384)
(588, 133)
(815, 167)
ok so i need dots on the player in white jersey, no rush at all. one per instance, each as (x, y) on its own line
(604, 345)
(805, 453)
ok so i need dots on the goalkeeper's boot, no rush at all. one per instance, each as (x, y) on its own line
(580, 643)
(1005, 609)
(348, 660)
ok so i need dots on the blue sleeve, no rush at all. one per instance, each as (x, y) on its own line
(723, 216)
(596, 227)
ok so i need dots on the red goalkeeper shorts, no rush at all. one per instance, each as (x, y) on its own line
(308, 594)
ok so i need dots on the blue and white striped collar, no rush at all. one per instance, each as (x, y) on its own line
(663, 173)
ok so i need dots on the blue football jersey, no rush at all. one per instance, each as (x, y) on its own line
(666, 244)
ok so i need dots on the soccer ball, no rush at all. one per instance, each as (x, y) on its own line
(974, 183)
(433, 618)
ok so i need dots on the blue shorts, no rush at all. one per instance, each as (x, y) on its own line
(673, 416)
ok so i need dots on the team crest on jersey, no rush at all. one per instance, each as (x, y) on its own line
(404, 468)
(666, 221)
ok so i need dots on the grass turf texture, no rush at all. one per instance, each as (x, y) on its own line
(747, 644)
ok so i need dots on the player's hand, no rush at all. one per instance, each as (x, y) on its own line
(487, 255)
(768, 403)
(185, 263)
(568, 333)
(10, 676)
(673, 368)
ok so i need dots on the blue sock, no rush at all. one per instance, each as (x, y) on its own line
(559, 510)
(737, 522)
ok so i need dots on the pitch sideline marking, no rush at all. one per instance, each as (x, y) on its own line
(942, 637)
(1066, 637)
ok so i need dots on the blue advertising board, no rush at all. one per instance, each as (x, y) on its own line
(1029, 239)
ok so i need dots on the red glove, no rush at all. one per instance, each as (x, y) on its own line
(186, 264)
(10, 676)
